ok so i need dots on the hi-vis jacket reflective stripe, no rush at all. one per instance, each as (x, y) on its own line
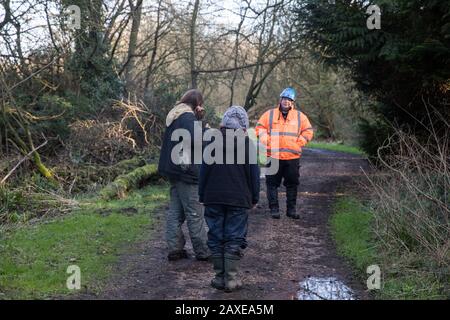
(284, 139)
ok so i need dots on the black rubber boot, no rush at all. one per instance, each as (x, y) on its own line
(291, 195)
(232, 281)
(275, 213)
(219, 280)
(272, 197)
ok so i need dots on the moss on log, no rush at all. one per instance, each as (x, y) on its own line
(124, 183)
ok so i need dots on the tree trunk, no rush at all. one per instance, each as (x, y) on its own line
(194, 72)
(236, 55)
(151, 65)
(136, 12)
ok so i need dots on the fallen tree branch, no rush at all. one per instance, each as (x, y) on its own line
(21, 161)
(126, 182)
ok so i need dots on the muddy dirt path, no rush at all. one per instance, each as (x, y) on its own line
(281, 253)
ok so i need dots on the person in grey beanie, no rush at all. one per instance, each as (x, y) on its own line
(228, 191)
(235, 117)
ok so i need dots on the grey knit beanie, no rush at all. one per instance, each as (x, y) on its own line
(235, 118)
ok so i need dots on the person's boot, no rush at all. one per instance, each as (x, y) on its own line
(291, 197)
(219, 279)
(204, 257)
(232, 281)
(275, 213)
(177, 255)
(272, 197)
(292, 213)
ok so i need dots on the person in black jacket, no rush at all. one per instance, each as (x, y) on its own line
(228, 190)
(177, 164)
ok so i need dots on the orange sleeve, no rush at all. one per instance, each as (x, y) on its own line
(262, 128)
(306, 132)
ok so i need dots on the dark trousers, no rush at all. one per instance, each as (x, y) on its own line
(227, 229)
(289, 173)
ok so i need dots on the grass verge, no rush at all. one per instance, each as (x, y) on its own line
(350, 226)
(335, 147)
(35, 258)
(402, 275)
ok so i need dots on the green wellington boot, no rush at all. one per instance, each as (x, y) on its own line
(218, 263)
(232, 281)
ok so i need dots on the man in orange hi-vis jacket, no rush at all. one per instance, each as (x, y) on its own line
(284, 131)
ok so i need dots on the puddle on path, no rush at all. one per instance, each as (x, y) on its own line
(314, 288)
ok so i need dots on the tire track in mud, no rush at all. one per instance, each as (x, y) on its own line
(280, 253)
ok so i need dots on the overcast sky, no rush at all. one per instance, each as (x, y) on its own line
(223, 12)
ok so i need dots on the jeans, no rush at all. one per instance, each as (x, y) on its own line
(184, 206)
(227, 229)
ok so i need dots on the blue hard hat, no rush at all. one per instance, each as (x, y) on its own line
(289, 93)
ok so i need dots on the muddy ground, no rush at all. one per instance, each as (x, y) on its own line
(280, 253)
